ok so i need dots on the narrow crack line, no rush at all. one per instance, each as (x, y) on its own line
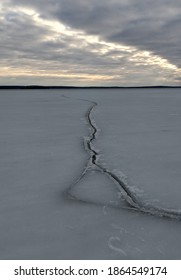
(88, 166)
(134, 203)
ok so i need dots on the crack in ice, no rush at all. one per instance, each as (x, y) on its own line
(133, 201)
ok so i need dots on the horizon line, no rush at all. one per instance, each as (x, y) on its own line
(80, 87)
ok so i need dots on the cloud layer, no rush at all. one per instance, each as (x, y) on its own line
(91, 42)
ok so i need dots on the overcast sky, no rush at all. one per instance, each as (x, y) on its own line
(90, 42)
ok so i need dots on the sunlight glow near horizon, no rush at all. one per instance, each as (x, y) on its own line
(42, 73)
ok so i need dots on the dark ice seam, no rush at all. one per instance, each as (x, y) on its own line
(134, 202)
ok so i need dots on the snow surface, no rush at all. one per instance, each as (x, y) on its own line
(56, 204)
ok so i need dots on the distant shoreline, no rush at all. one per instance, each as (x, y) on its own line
(83, 87)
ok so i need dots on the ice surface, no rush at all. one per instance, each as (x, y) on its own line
(142, 136)
(45, 214)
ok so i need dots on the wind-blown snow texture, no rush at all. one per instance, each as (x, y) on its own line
(90, 174)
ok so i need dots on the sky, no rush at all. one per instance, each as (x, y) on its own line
(90, 42)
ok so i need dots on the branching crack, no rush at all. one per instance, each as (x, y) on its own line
(133, 201)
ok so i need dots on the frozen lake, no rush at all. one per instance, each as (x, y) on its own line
(90, 174)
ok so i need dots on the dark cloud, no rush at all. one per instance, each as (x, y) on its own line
(146, 25)
(153, 26)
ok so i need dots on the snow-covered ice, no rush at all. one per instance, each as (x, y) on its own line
(48, 210)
